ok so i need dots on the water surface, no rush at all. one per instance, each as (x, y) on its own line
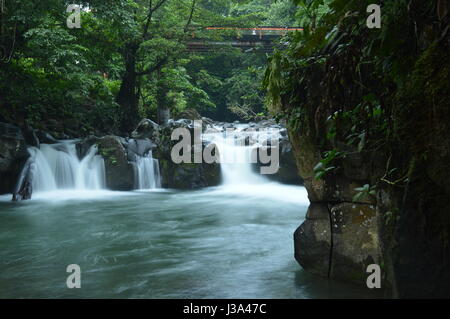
(223, 242)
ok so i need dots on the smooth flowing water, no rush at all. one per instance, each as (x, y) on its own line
(231, 241)
(215, 243)
(57, 167)
(147, 174)
(237, 151)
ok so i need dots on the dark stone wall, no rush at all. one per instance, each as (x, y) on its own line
(13, 155)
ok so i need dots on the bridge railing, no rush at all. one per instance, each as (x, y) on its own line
(251, 39)
(259, 31)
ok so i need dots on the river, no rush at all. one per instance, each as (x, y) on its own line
(213, 243)
(230, 241)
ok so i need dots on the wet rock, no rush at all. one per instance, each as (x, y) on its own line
(208, 121)
(119, 172)
(355, 241)
(212, 130)
(189, 175)
(24, 187)
(229, 126)
(287, 171)
(146, 129)
(13, 155)
(267, 123)
(184, 175)
(45, 137)
(140, 147)
(190, 114)
(30, 136)
(312, 241)
(338, 185)
(338, 241)
(84, 145)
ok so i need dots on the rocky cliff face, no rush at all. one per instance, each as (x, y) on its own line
(340, 235)
(178, 175)
(13, 155)
(370, 133)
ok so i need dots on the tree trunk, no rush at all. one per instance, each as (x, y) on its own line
(127, 97)
(163, 115)
(162, 101)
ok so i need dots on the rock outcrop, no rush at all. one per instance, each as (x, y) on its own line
(120, 155)
(13, 154)
(185, 175)
(119, 171)
(340, 235)
(147, 129)
(287, 171)
(373, 148)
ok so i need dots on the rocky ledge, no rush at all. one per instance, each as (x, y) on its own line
(121, 154)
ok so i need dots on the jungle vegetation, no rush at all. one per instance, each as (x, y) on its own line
(128, 60)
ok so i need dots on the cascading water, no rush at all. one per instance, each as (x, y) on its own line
(237, 151)
(57, 167)
(147, 174)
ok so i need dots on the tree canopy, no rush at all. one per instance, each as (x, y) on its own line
(127, 61)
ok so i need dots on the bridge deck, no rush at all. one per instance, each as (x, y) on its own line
(254, 39)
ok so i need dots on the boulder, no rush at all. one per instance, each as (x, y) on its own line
(184, 175)
(138, 148)
(267, 123)
(45, 137)
(229, 126)
(119, 172)
(355, 241)
(84, 145)
(13, 154)
(312, 241)
(189, 175)
(24, 185)
(338, 241)
(146, 129)
(30, 136)
(287, 172)
(208, 121)
(338, 185)
(190, 114)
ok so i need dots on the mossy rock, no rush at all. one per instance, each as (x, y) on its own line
(119, 172)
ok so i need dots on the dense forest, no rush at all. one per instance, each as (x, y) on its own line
(128, 59)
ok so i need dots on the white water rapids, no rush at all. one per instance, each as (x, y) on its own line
(237, 151)
(147, 174)
(58, 168)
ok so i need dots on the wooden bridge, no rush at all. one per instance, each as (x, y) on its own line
(254, 40)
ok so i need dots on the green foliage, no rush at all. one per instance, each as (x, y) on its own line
(372, 95)
(327, 164)
(69, 80)
(366, 191)
(334, 78)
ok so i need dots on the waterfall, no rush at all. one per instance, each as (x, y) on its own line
(147, 174)
(57, 167)
(237, 151)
